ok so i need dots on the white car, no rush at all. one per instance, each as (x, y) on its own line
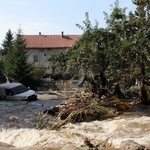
(16, 91)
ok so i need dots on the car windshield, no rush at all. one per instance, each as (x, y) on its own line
(18, 89)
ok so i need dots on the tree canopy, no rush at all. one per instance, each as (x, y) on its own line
(117, 53)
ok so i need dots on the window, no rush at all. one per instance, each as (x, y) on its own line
(8, 92)
(35, 58)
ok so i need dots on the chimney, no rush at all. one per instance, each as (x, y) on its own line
(39, 33)
(62, 34)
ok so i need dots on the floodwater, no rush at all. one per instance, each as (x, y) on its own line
(20, 114)
(18, 121)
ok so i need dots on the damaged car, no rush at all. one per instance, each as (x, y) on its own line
(16, 91)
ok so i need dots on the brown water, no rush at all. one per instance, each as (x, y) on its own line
(18, 114)
(18, 121)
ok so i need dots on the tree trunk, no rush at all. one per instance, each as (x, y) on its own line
(102, 91)
(98, 84)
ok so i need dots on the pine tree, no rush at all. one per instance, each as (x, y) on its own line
(7, 43)
(16, 65)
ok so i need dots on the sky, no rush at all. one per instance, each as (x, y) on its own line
(51, 17)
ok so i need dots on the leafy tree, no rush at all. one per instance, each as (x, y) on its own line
(121, 56)
(131, 48)
(118, 53)
(142, 34)
(89, 56)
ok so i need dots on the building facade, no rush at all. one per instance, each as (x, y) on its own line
(41, 47)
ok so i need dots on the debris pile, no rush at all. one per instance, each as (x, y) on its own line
(82, 108)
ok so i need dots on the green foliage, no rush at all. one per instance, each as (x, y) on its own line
(89, 55)
(16, 65)
(7, 43)
(120, 52)
(130, 51)
(2, 78)
(120, 46)
(35, 76)
(142, 21)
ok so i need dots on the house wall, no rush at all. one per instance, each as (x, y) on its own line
(40, 56)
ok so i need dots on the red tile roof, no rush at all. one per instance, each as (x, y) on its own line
(50, 41)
